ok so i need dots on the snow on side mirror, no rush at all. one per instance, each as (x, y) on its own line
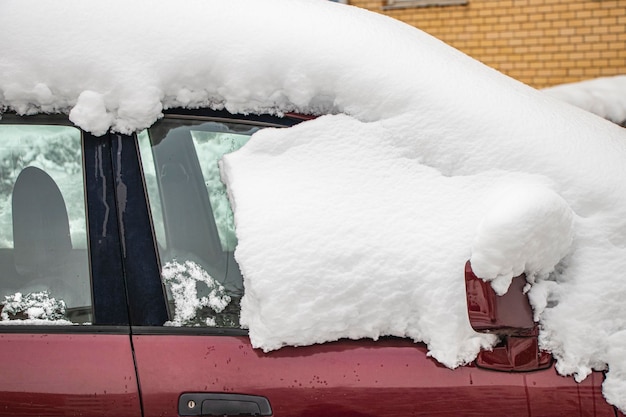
(509, 316)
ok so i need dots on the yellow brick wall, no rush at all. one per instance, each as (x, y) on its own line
(539, 42)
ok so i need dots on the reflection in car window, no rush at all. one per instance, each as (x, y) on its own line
(44, 263)
(192, 218)
(211, 146)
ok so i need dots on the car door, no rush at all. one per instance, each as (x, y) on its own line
(64, 335)
(193, 358)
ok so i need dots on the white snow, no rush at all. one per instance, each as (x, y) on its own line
(605, 96)
(37, 306)
(527, 229)
(359, 224)
(192, 289)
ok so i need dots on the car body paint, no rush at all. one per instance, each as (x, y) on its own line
(388, 377)
(67, 374)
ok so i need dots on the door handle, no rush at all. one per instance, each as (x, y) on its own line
(219, 404)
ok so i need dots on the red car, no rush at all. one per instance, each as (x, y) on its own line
(87, 227)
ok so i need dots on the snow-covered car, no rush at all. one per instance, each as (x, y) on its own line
(223, 209)
(604, 96)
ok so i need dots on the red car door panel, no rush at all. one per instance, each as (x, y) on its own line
(67, 374)
(389, 377)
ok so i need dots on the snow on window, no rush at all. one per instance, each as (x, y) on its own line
(193, 291)
(38, 306)
(359, 224)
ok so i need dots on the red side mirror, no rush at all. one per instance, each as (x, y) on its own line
(509, 316)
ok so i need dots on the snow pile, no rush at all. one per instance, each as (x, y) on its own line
(352, 253)
(604, 96)
(183, 282)
(37, 306)
(359, 225)
(527, 230)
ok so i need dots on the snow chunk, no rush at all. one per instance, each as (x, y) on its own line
(584, 313)
(529, 229)
(333, 245)
(614, 385)
(33, 306)
(193, 290)
(90, 110)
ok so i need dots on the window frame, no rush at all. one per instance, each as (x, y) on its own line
(108, 294)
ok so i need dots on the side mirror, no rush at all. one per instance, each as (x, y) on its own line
(509, 316)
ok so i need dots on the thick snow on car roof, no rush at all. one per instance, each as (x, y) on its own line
(358, 224)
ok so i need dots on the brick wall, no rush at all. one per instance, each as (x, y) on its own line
(539, 42)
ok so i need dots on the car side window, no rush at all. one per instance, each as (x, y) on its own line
(44, 261)
(192, 218)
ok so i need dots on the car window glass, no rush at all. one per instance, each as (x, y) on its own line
(150, 176)
(193, 219)
(44, 262)
(210, 147)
